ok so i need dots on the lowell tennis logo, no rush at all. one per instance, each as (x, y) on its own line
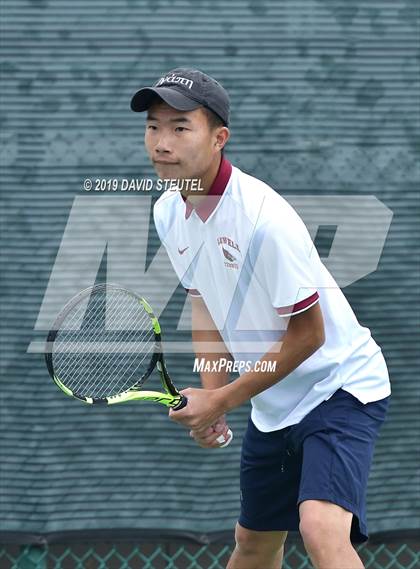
(224, 243)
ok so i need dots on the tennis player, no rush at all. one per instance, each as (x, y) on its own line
(260, 291)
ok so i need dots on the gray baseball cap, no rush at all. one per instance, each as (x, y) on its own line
(185, 89)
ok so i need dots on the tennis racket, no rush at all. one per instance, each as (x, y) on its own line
(103, 346)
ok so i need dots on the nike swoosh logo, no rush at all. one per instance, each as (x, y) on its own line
(182, 251)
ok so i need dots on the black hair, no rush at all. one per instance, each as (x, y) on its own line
(214, 121)
(213, 118)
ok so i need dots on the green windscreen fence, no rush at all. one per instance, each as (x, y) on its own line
(325, 109)
(175, 555)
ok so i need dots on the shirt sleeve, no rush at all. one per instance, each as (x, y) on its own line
(283, 260)
(187, 281)
(185, 277)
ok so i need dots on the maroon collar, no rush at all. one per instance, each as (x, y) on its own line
(206, 207)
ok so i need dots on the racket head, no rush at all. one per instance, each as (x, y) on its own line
(105, 342)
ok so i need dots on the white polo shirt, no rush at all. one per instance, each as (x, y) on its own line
(248, 254)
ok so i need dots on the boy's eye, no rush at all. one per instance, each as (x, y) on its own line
(180, 129)
(151, 127)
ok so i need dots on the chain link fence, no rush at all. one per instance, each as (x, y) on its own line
(177, 555)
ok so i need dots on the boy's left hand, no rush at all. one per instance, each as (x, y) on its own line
(202, 410)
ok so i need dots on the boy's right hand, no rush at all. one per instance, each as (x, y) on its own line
(207, 438)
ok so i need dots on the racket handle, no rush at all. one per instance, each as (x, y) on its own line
(183, 401)
(225, 442)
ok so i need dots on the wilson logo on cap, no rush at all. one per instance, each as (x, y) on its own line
(175, 79)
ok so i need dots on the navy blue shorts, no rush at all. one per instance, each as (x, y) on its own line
(327, 456)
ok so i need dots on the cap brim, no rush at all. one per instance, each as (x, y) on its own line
(142, 100)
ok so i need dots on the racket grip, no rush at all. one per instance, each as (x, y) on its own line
(182, 403)
(225, 442)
